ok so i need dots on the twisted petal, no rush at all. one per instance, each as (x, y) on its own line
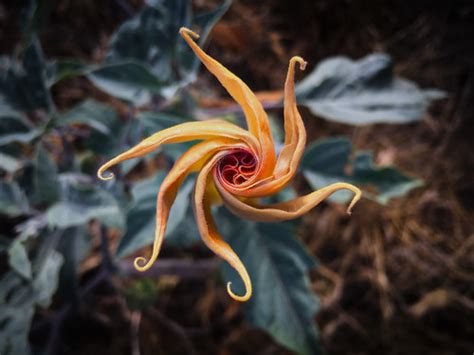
(189, 162)
(293, 149)
(209, 233)
(287, 210)
(184, 132)
(257, 119)
(242, 163)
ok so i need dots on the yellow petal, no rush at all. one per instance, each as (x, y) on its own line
(295, 133)
(293, 149)
(184, 132)
(209, 233)
(285, 210)
(257, 119)
(189, 162)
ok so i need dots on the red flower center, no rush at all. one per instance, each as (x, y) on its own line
(237, 167)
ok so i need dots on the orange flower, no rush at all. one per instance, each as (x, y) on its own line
(234, 166)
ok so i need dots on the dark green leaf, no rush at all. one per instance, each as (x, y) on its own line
(326, 161)
(141, 219)
(46, 280)
(19, 298)
(74, 246)
(45, 186)
(18, 259)
(23, 84)
(58, 70)
(9, 164)
(152, 37)
(13, 201)
(282, 302)
(15, 327)
(92, 113)
(130, 81)
(186, 232)
(83, 202)
(107, 132)
(157, 121)
(15, 128)
(363, 92)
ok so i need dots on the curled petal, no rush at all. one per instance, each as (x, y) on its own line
(284, 211)
(257, 119)
(189, 162)
(184, 132)
(209, 233)
(295, 133)
(242, 163)
(293, 148)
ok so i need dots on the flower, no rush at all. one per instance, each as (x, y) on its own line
(234, 166)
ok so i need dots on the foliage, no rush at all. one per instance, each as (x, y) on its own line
(278, 264)
(326, 162)
(48, 159)
(363, 92)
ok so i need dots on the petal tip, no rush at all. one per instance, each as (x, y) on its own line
(184, 31)
(302, 63)
(244, 298)
(141, 260)
(100, 175)
(355, 199)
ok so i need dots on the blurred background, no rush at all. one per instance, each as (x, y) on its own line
(387, 100)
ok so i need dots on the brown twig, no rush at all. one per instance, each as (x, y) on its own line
(184, 268)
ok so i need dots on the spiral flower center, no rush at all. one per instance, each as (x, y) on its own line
(237, 167)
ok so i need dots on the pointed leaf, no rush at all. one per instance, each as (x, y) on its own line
(80, 203)
(15, 128)
(326, 161)
(282, 302)
(13, 201)
(130, 81)
(364, 91)
(141, 219)
(23, 84)
(9, 164)
(18, 259)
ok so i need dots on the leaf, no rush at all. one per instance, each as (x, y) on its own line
(186, 232)
(9, 164)
(82, 202)
(39, 179)
(13, 201)
(15, 327)
(19, 298)
(14, 128)
(326, 161)
(157, 121)
(131, 81)
(23, 84)
(90, 113)
(282, 302)
(107, 129)
(74, 247)
(152, 37)
(46, 280)
(146, 54)
(141, 219)
(362, 92)
(18, 259)
(57, 70)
